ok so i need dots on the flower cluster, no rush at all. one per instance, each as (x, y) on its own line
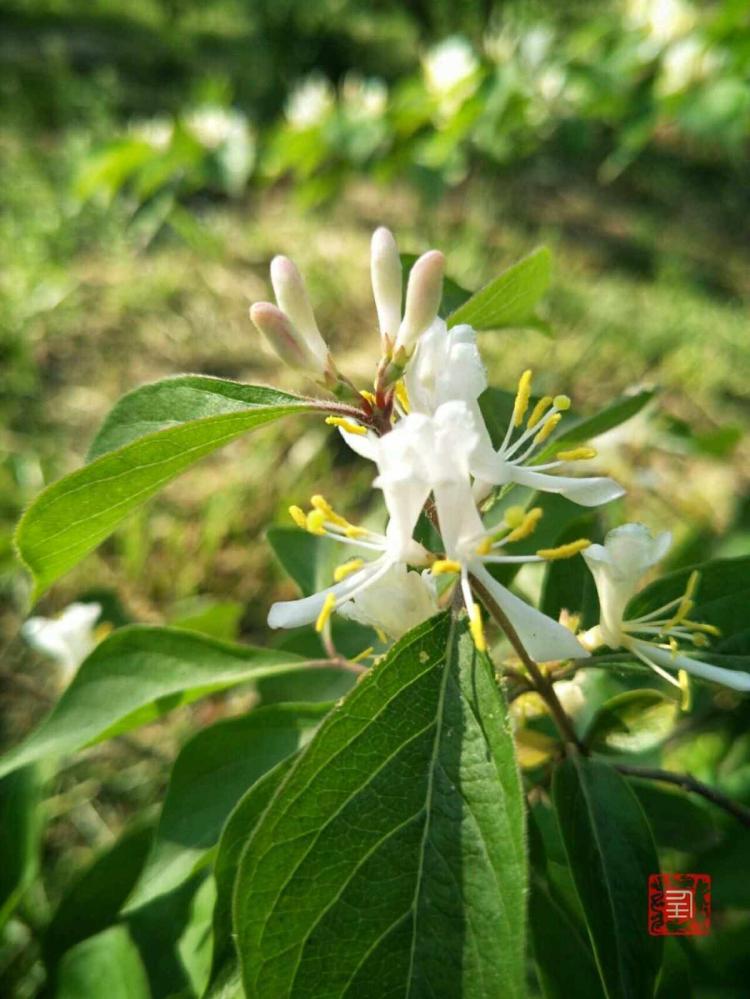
(423, 430)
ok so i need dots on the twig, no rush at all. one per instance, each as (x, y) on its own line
(336, 661)
(690, 783)
(542, 683)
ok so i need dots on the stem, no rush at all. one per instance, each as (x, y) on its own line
(542, 683)
(339, 661)
(690, 783)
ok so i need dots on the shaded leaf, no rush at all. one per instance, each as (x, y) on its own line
(634, 721)
(676, 819)
(21, 824)
(105, 965)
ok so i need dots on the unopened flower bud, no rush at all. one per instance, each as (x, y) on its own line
(291, 295)
(284, 338)
(385, 269)
(423, 294)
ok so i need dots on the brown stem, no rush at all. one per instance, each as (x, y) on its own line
(690, 783)
(542, 683)
(339, 661)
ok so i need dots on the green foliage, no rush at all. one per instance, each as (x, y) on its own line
(108, 962)
(509, 300)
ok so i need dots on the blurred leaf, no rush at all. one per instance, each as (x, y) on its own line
(212, 771)
(575, 431)
(308, 558)
(568, 584)
(21, 825)
(93, 901)
(676, 819)
(153, 434)
(401, 820)
(323, 683)
(136, 675)
(611, 853)
(676, 980)
(195, 943)
(217, 619)
(633, 722)
(496, 405)
(510, 299)
(105, 965)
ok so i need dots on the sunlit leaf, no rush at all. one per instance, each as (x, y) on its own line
(510, 299)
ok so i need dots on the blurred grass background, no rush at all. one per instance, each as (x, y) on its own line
(156, 154)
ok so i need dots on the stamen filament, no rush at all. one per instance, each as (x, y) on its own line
(547, 427)
(564, 551)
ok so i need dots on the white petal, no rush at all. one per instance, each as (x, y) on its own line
(461, 526)
(543, 638)
(291, 294)
(423, 293)
(717, 674)
(385, 270)
(587, 492)
(365, 445)
(295, 613)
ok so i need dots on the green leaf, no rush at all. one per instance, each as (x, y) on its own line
(135, 676)
(568, 584)
(213, 770)
(611, 853)
(225, 977)
(93, 901)
(151, 436)
(677, 820)
(721, 600)
(392, 857)
(21, 824)
(575, 431)
(633, 722)
(308, 558)
(105, 965)
(510, 299)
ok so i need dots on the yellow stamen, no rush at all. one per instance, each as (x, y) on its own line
(687, 691)
(347, 568)
(325, 612)
(443, 565)
(699, 640)
(526, 527)
(561, 402)
(514, 516)
(298, 516)
(315, 522)
(102, 630)
(709, 629)
(403, 396)
(476, 627)
(547, 427)
(364, 654)
(353, 531)
(577, 454)
(522, 398)
(319, 502)
(382, 637)
(351, 428)
(485, 546)
(692, 585)
(539, 410)
(368, 397)
(564, 551)
(681, 613)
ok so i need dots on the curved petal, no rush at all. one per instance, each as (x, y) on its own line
(587, 492)
(543, 638)
(365, 445)
(295, 613)
(717, 674)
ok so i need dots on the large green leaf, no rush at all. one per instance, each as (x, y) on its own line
(211, 773)
(509, 299)
(391, 861)
(105, 965)
(634, 721)
(21, 823)
(611, 853)
(676, 820)
(135, 676)
(152, 435)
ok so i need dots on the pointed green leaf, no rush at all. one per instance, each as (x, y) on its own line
(105, 965)
(391, 861)
(510, 299)
(151, 436)
(213, 770)
(611, 853)
(135, 676)
(21, 825)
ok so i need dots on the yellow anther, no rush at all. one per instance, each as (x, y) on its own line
(526, 527)
(485, 546)
(514, 516)
(325, 612)
(347, 568)
(699, 640)
(319, 502)
(298, 516)
(709, 629)
(692, 584)
(547, 427)
(564, 551)
(352, 531)
(577, 454)
(522, 398)
(364, 654)
(539, 410)
(315, 522)
(561, 402)
(351, 428)
(443, 565)
(368, 397)
(382, 637)
(686, 605)
(403, 396)
(683, 679)
(476, 627)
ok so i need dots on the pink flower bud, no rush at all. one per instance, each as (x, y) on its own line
(423, 294)
(282, 336)
(291, 295)
(385, 269)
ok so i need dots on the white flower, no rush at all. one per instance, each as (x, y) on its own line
(213, 125)
(400, 600)
(68, 638)
(157, 131)
(423, 293)
(618, 566)
(446, 366)
(310, 102)
(449, 67)
(511, 462)
(367, 98)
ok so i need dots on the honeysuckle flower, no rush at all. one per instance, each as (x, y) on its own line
(618, 566)
(67, 638)
(423, 293)
(523, 438)
(446, 366)
(354, 577)
(400, 600)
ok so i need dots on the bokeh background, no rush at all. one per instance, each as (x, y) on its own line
(155, 155)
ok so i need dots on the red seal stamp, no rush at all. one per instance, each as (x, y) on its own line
(679, 905)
